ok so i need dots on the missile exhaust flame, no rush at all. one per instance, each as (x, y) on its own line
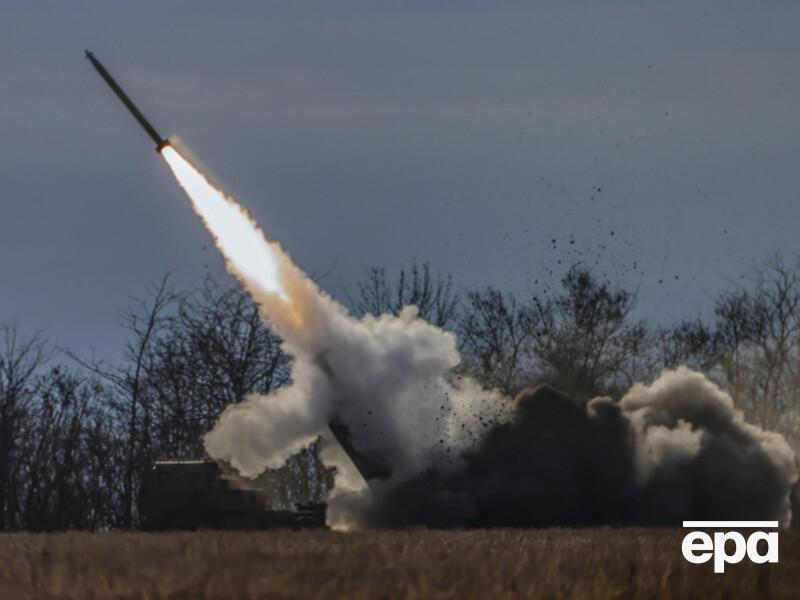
(238, 237)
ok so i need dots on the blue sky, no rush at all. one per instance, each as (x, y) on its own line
(659, 140)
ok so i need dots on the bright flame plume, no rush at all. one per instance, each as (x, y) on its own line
(236, 234)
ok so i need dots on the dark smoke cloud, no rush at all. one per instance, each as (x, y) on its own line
(674, 450)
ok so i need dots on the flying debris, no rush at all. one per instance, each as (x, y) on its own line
(161, 143)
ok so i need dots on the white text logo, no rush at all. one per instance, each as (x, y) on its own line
(699, 547)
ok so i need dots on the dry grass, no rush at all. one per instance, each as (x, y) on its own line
(555, 563)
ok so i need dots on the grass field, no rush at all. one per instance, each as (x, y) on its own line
(554, 563)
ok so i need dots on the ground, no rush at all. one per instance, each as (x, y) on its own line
(552, 563)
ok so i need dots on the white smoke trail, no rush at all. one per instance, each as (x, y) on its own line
(386, 378)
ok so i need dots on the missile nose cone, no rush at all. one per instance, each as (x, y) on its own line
(89, 53)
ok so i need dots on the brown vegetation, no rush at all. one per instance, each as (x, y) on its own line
(549, 563)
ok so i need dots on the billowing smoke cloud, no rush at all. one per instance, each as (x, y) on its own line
(695, 455)
(385, 380)
(674, 450)
(442, 451)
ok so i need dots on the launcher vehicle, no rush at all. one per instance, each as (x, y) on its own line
(195, 494)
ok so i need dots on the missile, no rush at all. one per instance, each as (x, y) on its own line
(137, 114)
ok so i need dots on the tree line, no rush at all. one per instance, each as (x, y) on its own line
(77, 435)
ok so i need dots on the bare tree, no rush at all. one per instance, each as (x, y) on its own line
(20, 360)
(693, 343)
(146, 320)
(69, 471)
(59, 449)
(759, 330)
(494, 344)
(582, 339)
(432, 293)
(214, 351)
(585, 339)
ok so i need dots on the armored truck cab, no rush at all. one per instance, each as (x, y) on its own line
(193, 494)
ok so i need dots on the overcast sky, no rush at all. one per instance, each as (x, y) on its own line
(659, 139)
